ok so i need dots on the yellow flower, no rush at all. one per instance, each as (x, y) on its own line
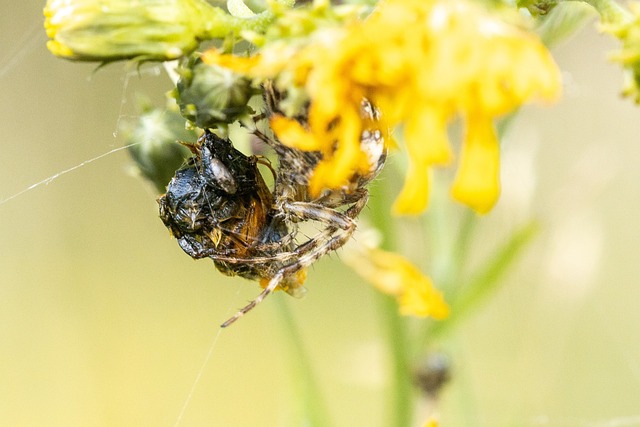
(423, 63)
(395, 275)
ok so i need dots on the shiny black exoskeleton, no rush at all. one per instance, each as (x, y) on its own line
(219, 206)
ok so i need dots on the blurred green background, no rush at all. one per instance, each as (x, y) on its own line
(105, 322)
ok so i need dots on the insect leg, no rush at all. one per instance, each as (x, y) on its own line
(273, 284)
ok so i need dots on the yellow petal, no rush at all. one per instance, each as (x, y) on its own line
(421, 299)
(59, 49)
(414, 196)
(426, 138)
(238, 64)
(477, 183)
(326, 176)
(336, 171)
(395, 275)
(293, 134)
(341, 163)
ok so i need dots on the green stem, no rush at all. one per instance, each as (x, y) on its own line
(486, 281)
(308, 396)
(401, 394)
(459, 254)
(219, 24)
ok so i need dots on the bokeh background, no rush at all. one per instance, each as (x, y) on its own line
(105, 322)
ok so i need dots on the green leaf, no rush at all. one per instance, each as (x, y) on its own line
(487, 281)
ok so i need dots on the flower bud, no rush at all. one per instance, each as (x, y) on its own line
(209, 95)
(160, 30)
(154, 144)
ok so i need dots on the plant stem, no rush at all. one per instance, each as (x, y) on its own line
(308, 396)
(401, 394)
(219, 24)
(487, 280)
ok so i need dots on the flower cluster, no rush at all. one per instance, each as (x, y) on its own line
(423, 63)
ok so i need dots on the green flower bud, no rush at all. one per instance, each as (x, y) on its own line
(209, 95)
(156, 151)
(162, 30)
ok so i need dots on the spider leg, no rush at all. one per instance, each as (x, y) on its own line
(307, 253)
(305, 260)
(330, 216)
(317, 213)
(273, 284)
(327, 240)
(341, 198)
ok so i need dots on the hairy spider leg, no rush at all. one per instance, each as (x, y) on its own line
(308, 252)
(329, 216)
(273, 284)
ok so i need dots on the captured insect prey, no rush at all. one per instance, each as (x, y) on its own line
(218, 206)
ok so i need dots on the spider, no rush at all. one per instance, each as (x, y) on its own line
(218, 206)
